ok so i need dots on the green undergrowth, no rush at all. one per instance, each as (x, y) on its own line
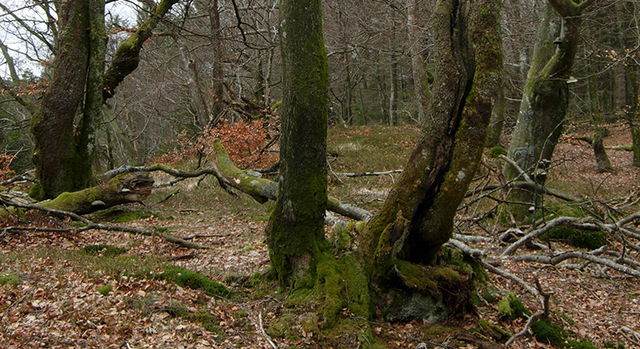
(9, 279)
(549, 332)
(589, 239)
(119, 215)
(511, 307)
(105, 290)
(202, 317)
(496, 151)
(104, 250)
(191, 279)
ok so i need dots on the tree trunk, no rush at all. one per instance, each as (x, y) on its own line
(296, 229)
(417, 216)
(122, 189)
(416, 46)
(602, 160)
(63, 152)
(544, 101)
(497, 118)
(55, 156)
(217, 108)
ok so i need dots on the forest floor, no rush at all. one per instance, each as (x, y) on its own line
(57, 295)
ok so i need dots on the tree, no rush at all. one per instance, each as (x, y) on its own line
(64, 124)
(403, 241)
(545, 99)
(296, 229)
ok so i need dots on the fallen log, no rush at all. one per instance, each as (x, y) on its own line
(262, 189)
(122, 189)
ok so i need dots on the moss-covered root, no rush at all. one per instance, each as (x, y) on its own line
(340, 296)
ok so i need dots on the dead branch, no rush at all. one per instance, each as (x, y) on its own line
(213, 170)
(89, 225)
(365, 174)
(560, 221)
(541, 314)
(591, 256)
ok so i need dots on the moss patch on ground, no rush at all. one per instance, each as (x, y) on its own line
(191, 279)
(9, 279)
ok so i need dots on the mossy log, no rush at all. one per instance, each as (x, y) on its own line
(122, 189)
(263, 190)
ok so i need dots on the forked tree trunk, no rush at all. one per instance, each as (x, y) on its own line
(544, 101)
(417, 216)
(295, 233)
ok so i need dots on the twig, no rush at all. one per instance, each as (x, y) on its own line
(264, 333)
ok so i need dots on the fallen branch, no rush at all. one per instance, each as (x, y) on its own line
(214, 171)
(366, 174)
(89, 225)
(263, 190)
(544, 313)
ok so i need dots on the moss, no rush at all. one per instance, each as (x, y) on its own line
(283, 327)
(548, 332)
(103, 250)
(491, 295)
(425, 278)
(496, 151)
(511, 307)
(132, 216)
(208, 321)
(192, 279)
(36, 192)
(493, 331)
(105, 290)
(9, 279)
(590, 239)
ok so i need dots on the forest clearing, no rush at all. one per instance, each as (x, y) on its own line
(319, 174)
(66, 296)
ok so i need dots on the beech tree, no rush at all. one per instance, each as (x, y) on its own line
(64, 124)
(399, 260)
(545, 99)
(296, 229)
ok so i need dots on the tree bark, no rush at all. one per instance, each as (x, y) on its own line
(417, 216)
(217, 74)
(545, 100)
(295, 233)
(55, 155)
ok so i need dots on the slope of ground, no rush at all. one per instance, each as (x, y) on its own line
(57, 295)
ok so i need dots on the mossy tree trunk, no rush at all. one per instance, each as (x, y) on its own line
(64, 124)
(59, 166)
(295, 233)
(417, 216)
(545, 99)
(600, 131)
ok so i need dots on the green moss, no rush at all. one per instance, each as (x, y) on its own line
(208, 321)
(9, 279)
(132, 216)
(191, 279)
(496, 151)
(36, 192)
(491, 295)
(105, 290)
(590, 239)
(494, 331)
(547, 332)
(511, 307)
(103, 250)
